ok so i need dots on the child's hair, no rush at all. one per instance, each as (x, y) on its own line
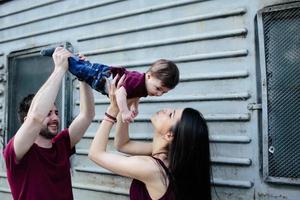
(24, 107)
(166, 71)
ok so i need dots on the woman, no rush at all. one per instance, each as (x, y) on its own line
(175, 165)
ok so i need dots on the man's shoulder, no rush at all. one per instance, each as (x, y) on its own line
(64, 134)
(8, 149)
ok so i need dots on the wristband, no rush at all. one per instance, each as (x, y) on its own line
(108, 120)
(110, 117)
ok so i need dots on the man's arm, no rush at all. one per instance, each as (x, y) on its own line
(41, 105)
(87, 112)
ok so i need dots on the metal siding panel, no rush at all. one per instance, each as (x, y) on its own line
(214, 48)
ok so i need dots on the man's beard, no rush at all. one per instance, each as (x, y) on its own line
(47, 134)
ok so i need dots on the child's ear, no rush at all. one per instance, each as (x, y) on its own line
(148, 75)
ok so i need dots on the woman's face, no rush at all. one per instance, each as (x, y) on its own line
(165, 119)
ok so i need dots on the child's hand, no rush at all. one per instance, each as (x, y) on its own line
(81, 57)
(134, 110)
(127, 117)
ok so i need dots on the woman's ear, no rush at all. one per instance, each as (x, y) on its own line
(25, 118)
(169, 136)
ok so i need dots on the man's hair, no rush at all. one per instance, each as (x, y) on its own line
(24, 107)
(166, 71)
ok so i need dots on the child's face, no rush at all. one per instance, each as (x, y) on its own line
(154, 86)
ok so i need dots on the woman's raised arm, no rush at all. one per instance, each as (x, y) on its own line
(124, 144)
(117, 163)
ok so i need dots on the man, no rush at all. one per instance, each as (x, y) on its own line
(37, 157)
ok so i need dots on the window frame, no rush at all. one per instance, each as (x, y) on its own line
(66, 89)
(264, 95)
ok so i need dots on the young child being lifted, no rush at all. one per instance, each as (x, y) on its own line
(162, 76)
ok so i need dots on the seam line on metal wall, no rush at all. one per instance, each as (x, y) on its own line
(99, 188)
(231, 161)
(232, 183)
(192, 38)
(215, 159)
(4, 190)
(237, 139)
(29, 8)
(195, 57)
(208, 117)
(122, 15)
(236, 184)
(96, 170)
(239, 11)
(214, 76)
(229, 139)
(212, 97)
(59, 14)
(215, 181)
(66, 28)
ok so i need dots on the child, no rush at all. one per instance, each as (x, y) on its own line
(162, 76)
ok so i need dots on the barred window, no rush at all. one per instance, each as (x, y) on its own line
(279, 47)
(27, 72)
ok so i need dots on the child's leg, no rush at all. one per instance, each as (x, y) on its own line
(49, 51)
(92, 73)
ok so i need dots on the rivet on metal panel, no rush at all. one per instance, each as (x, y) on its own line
(1, 66)
(272, 149)
(1, 105)
(1, 92)
(264, 83)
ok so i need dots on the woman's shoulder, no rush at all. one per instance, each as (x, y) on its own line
(150, 164)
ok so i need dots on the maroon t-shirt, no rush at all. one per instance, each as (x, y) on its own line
(42, 174)
(134, 82)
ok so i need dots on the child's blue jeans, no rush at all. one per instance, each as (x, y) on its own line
(93, 74)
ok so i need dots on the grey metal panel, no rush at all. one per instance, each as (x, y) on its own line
(211, 41)
(22, 6)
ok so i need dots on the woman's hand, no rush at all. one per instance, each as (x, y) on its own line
(127, 117)
(112, 87)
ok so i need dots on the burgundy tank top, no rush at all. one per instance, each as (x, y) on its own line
(138, 190)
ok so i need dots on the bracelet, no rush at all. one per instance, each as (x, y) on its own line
(110, 117)
(108, 120)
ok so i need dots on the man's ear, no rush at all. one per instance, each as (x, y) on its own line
(169, 136)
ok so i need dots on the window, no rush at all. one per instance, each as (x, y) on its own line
(27, 72)
(279, 53)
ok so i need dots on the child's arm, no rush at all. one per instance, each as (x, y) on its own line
(134, 107)
(121, 97)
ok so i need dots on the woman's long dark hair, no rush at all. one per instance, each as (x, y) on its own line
(189, 157)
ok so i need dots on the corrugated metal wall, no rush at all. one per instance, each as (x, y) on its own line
(212, 42)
